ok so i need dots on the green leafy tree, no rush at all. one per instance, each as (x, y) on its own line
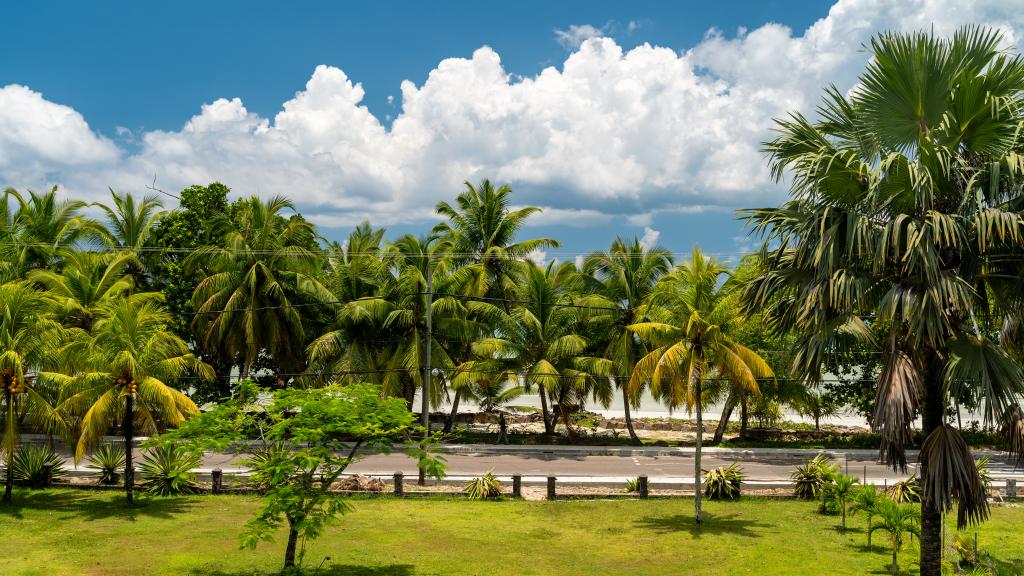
(906, 214)
(27, 336)
(626, 275)
(693, 313)
(120, 374)
(260, 269)
(308, 438)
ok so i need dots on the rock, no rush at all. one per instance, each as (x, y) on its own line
(359, 484)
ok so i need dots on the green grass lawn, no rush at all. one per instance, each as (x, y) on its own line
(78, 532)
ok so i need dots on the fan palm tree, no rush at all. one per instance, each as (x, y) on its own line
(86, 281)
(263, 266)
(693, 311)
(627, 275)
(481, 233)
(906, 212)
(123, 370)
(27, 337)
(899, 522)
(539, 341)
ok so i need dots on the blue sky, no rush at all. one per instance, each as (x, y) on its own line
(652, 130)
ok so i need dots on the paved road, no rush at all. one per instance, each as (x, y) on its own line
(595, 465)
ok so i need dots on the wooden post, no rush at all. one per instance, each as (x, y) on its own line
(217, 480)
(641, 485)
(551, 487)
(1011, 487)
(398, 483)
(517, 485)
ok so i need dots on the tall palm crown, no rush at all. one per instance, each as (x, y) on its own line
(693, 312)
(86, 281)
(27, 336)
(43, 224)
(906, 212)
(481, 235)
(263, 266)
(129, 223)
(626, 275)
(129, 354)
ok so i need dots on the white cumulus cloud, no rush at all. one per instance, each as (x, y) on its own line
(608, 132)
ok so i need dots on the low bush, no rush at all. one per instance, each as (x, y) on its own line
(30, 464)
(906, 491)
(484, 487)
(167, 470)
(723, 483)
(109, 460)
(633, 485)
(810, 478)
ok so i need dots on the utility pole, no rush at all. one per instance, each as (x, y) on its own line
(425, 393)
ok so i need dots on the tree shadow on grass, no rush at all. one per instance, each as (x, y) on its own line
(86, 505)
(334, 570)
(713, 524)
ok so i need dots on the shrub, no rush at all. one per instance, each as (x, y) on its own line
(30, 466)
(167, 470)
(723, 483)
(633, 485)
(906, 491)
(810, 478)
(985, 473)
(109, 460)
(487, 486)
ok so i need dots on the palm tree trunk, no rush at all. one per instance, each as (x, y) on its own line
(895, 563)
(629, 419)
(573, 437)
(870, 517)
(289, 551)
(449, 423)
(931, 517)
(243, 373)
(698, 515)
(127, 425)
(549, 426)
(502, 429)
(723, 421)
(9, 476)
(744, 418)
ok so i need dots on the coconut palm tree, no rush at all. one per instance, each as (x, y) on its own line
(27, 336)
(481, 233)
(899, 522)
(129, 225)
(693, 312)
(492, 389)
(86, 281)
(906, 212)
(264, 265)
(43, 224)
(122, 370)
(539, 341)
(627, 275)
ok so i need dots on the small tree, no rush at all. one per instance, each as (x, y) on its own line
(840, 490)
(900, 522)
(309, 437)
(865, 500)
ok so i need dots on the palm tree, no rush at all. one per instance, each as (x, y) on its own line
(842, 488)
(627, 275)
(694, 310)
(27, 337)
(129, 227)
(539, 340)
(264, 265)
(865, 499)
(481, 236)
(492, 388)
(86, 281)
(900, 522)
(43, 224)
(906, 212)
(124, 369)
